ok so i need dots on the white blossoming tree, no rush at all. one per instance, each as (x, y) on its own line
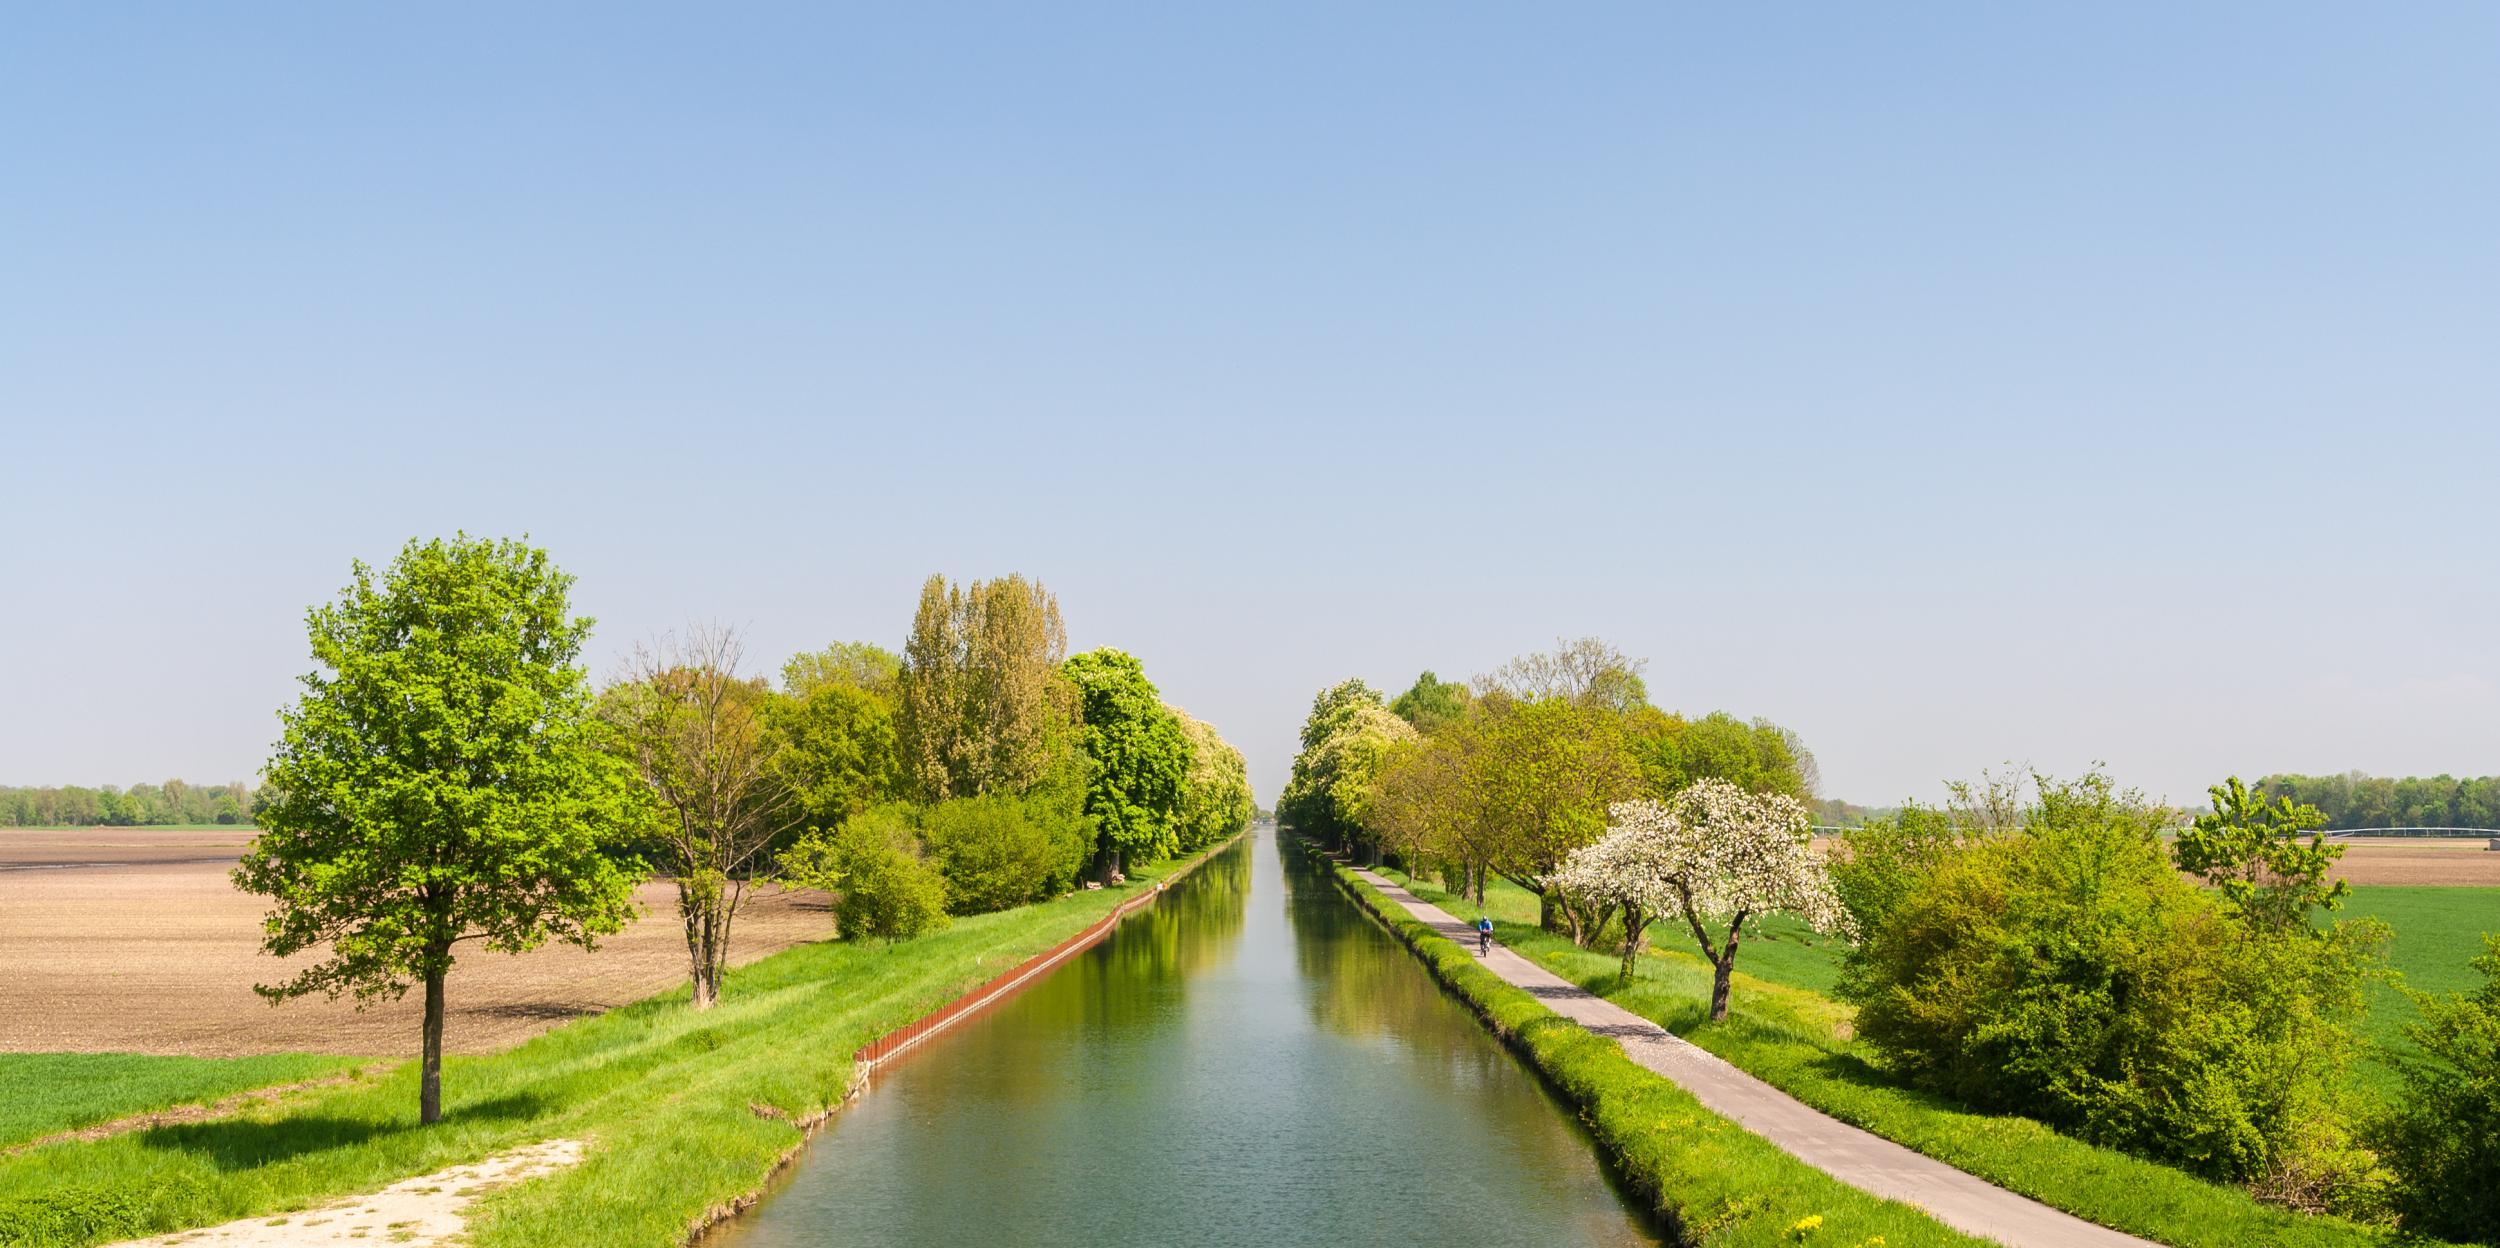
(1718, 856)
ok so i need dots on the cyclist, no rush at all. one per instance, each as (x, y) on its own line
(1484, 935)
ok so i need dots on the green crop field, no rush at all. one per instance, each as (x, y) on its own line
(2439, 932)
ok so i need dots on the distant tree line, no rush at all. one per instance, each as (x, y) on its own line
(139, 806)
(2353, 800)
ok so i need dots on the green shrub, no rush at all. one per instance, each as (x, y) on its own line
(2444, 1140)
(1000, 851)
(873, 865)
(2065, 971)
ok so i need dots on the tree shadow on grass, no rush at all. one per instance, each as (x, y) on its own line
(232, 1144)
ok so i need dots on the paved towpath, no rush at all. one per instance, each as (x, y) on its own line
(1858, 1158)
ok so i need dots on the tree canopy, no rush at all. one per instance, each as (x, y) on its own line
(1141, 757)
(861, 665)
(1431, 703)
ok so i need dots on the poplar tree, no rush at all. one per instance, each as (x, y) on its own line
(983, 708)
(439, 781)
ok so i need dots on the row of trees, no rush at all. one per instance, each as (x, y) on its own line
(140, 805)
(2353, 800)
(1556, 773)
(451, 775)
(2044, 949)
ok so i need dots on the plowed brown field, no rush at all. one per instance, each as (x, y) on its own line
(158, 952)
(2394, 861)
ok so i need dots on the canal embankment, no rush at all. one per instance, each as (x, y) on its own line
(1710, 1180)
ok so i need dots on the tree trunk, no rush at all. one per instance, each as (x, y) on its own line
(698, 902)
(430, 1082)
(1635, 935)
(1547, 913)
(1479, 878)
(1722, 972)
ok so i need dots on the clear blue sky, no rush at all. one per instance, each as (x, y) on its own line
(1953, 384)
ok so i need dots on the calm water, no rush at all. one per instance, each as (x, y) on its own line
(1248, 1061)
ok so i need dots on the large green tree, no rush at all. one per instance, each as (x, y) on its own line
(1545, 771)
(835, 750)
(440, 781)
(1215, 798)
(1759, 757)
(1141, 758)
(1346, 743)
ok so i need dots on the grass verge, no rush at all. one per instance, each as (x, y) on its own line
(45, 1093)
(686, 1112)
(1713, 1182)
(1799, 1042)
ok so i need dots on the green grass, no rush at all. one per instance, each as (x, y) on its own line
(2439, 931)
(45, 1093)
(1713, 1181)
(1785, 1032)
(686, 1112)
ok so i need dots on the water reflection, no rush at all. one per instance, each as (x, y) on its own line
(1249, 1061)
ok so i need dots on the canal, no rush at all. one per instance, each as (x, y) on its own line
(1249, 1061)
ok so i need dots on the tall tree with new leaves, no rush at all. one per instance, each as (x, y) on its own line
(1215, 798)
(1345, 747)
(440, 781)
(1141, 759)
(1545, 772)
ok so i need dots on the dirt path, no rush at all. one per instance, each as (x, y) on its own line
(1858, 1158)
(430, 1209)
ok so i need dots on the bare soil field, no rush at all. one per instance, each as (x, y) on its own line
(158, 954)
(2395, 861)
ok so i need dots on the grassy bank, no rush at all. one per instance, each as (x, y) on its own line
(686, 1112)
(45, 1093)
(1798, 1040)
(1714, 1182)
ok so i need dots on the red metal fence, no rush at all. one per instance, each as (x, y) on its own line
(900, 1040)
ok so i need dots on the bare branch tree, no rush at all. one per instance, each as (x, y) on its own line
(695, 730)
(1588, 671)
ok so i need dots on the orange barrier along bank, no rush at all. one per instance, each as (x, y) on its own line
(895, 1043)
